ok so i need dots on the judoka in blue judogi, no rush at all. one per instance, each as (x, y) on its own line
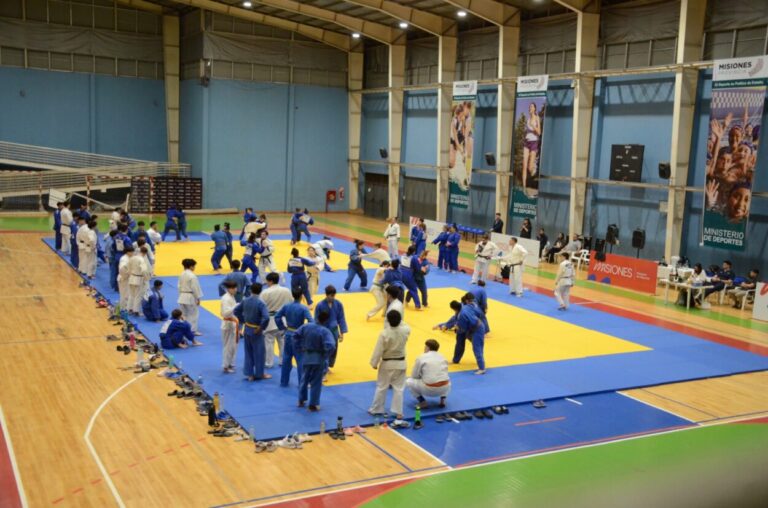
(317, 344)
(290, 318)
(152, 303)
(219, 246)
(299, 275)
(252, 247)
(336, 323)
(355, 266)
(254, 315)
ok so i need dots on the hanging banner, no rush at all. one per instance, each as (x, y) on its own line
(462, 142)
(530, 105)
(738, 95)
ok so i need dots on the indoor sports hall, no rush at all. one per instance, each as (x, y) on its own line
(383, 253)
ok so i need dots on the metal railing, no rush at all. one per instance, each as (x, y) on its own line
(71, 171)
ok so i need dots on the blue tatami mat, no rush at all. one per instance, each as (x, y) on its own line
(271, 410)
(526, 430)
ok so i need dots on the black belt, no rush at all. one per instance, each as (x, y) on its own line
(393, 359)
(484, 257)
(272, 313)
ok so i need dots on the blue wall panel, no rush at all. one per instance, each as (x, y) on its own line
(193, 144)
(374, 130)
(269, 146)
(630, 110)
(83, 112)
(319, 146)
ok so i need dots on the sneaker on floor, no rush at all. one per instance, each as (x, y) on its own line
(706, 305)
(289, 442)
(400, 424)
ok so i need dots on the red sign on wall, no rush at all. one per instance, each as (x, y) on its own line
(625, 272)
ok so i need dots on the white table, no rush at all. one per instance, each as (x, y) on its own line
(681, 285)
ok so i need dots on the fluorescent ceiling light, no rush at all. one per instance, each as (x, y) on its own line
(247, 4)
(403, 25)
(355, 35)
(462, 14)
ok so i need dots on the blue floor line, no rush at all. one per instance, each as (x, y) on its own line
(675, 357)
(385, 452)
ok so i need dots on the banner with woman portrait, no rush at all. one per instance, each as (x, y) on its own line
(738, 95)
(462, 142)
(530, 106)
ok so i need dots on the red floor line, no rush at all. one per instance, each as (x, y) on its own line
(9, 492)
(574, 445)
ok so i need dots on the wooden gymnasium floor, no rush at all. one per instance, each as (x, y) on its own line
(86, 432)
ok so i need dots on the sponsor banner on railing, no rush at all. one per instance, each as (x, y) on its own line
(736, 111)
(462, 142)
(532, 246)
(530, 106)
(623, 271)
(760, 308)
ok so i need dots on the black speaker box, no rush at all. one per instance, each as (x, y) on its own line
(612, 234)
(665, 170)
(638, 239)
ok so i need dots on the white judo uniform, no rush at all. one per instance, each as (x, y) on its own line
(86, 245)
(515, 258)
(484, 251)
(123, 276)
(389, 359)
(429, 377)
(564, 283)
(274, 297)
(392, 234)
(267, 258)
(138, 269)
(190, 294)
(65, 229)
(228, 331)
(377, 290)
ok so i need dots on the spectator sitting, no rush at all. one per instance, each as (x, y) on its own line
(574, 246)
(557, 247)
(742, 289)
(697, 278)
(717, 283)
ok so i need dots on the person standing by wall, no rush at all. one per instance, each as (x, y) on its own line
(498, 224)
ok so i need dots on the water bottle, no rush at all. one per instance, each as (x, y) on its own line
(180, 366)
(340, 424)
(132, 340)
(216, 402)
(139, 355)
(200, 380)
(252, 433)
(417, 415)
(170, 361)
(376, 422)
(322, 427)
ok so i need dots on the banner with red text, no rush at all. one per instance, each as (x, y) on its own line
(623, 271)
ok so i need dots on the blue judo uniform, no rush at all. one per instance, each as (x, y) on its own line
(152, 305)
(121, 240)
(182, 222)
(420, 240)
(171, 224)
(355, 267)
(219, 248)
(290, 318)
(469, 325)
(253, 313)
(74, 253)
(298, 227)
(57, 228)
(242, 282)
(247, 216)
(442, 262)
(336, 324)
(317, 344)
(175, 332)
(481, 300)
(452, 251)
(394, 278)
(229, 250)
(299, 276)
(409, 280)
(248, 263)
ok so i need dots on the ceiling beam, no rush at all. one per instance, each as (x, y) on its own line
(591, 6)
(498, 13)
(337, 40)
(382, 33)
(432, 23)
(143, 6)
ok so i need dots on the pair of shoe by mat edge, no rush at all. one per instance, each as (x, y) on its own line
(479, 414)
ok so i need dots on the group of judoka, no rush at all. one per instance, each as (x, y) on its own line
(128, 248)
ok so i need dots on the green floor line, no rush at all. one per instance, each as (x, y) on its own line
(629, 467)
(205, 223)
